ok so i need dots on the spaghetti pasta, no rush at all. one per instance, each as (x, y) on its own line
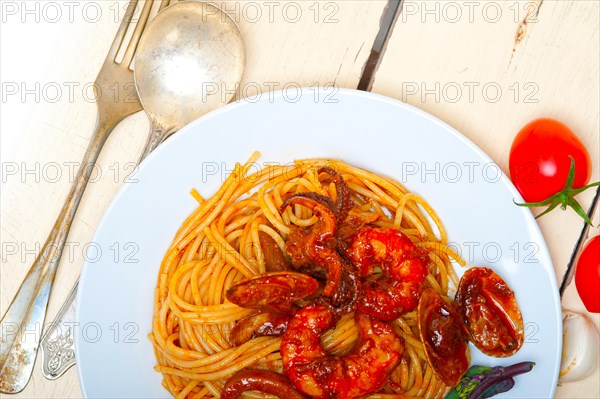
(218, 245)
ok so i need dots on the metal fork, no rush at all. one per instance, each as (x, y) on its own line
(25, 316)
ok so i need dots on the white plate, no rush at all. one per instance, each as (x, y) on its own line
(114, 356)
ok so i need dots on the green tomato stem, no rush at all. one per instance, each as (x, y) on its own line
(564, 198)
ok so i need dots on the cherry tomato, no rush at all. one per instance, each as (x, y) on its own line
(587, 275)
(540, 159)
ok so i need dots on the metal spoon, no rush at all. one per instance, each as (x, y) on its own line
(189, 61)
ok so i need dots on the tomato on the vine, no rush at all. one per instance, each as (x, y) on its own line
(539, 159)
(549, 165)
(587, 275)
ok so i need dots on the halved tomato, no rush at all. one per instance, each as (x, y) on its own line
(490, 312)
(443, 336)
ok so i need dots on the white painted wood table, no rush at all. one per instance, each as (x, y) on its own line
(485, 68)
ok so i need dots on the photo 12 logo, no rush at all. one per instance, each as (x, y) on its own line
(90, 332)
(54, 172)
(90, 252)
(471, 92)
(290, 92)
(248, 12)
(54, 12)
(493, 252)
(281, 11)
(454, 12)
(450, 172)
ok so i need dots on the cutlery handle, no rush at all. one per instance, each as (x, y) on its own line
(58, 351)
(157, 135)
(21, 325)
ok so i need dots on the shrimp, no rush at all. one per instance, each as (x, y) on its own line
(322, 376)
(315, 248)
(404, 268)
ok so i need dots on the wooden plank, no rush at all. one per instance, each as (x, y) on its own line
(288, 43)
(488, 68)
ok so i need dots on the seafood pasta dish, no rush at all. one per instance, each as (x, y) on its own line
(321, 280)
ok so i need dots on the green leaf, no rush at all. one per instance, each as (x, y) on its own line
(536, 204)
(575, 191)
(577, 208)
(570, 176)
(550, 208)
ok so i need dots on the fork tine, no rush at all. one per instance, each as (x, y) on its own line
(137, 33)
(163, 4)
(120, 36)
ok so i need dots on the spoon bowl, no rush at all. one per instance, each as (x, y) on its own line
(189, 61)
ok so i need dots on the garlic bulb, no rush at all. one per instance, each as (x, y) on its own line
(580, 347)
